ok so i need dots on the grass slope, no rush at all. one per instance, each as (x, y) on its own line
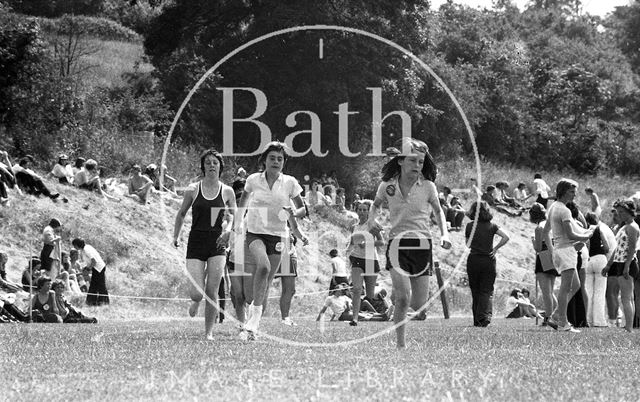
(135, 241)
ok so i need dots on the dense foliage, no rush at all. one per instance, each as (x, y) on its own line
(548, 86)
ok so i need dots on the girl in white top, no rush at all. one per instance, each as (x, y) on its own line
(623, 263)
(363, 257)
(267, 198)
(408, 188)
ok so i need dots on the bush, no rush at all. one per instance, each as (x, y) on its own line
(101, 28)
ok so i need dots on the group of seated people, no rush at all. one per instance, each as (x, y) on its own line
(519, 305)
(497, 197)
(48, 303)
(339, 301)
(83, 173)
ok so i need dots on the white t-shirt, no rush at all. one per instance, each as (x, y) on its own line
(542, 188)
(559, 213)
(511, 304)
(519, 195)
(411, 213)
(265, 213)
(337, 304)
(339, 267)
(88, 252)
(60, 171)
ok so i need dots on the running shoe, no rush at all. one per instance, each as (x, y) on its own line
(552, 324)
(243, 335)
(353, 323)
(288, 321)
(569, 328)
(252, 336)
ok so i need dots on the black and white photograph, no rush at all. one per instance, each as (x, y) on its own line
(294, 200)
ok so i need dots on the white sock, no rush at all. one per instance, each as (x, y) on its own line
(254, 320)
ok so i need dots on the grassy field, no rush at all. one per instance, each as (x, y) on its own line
(445, 360)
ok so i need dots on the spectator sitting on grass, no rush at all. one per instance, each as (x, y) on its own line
(44, 306)
(29, 181)
(68, 276)
(168, 184)
(69, 314)
(7, 178)
(520, 194)
(62, 170)
(30, 274)
(77, 166)
(455, 213)
(340, 304)
(501, 191)
(380, 303)
(491, 198)
(139, 186)
(4, 283)
(519, 305)
(88, 178)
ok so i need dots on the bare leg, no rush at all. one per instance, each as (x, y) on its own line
(195, 269)
(568, 287)
(215, 269)
(356, 291)
(626, 288)
(419, 295)
(547, 283)
(402, 294)
(288, 290)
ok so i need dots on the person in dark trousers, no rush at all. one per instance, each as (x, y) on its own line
(481, 263)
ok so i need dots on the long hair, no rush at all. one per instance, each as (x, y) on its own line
(563, 186)
(392, 168)
(484, 215)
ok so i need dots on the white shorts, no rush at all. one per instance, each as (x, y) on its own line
(565, 258)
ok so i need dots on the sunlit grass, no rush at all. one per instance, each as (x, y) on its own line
(445, 359)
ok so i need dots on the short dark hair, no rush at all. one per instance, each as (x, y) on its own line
(215, 153)
(591, 218)
(537, 176)
(333, 253)
(537, 213)
(275, 146)
(78, 243)
(54, 223)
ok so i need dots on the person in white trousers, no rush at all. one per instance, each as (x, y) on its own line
(601, 246)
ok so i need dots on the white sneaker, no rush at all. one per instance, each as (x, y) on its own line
(288, 321)
(569, 328)
(243, 335)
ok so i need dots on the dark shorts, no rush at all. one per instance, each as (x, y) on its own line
(415, 261)
(617, 268)
(203, 245)
(540, 270)
(273, 244)
(357, 262)
(293, 269)
(336, 280)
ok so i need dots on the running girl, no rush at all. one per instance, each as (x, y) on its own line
(363, 257)
(267, 197)
(208, 200)
(407, 186)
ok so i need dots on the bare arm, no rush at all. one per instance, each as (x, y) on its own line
(504, 238)
(182, 212)
(632, 233)
(440, 218)
(321, 312)
(300, 211)
(240, 210)
(576, 233)
(230, 204)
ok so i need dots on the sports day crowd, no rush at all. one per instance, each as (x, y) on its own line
(244, 235)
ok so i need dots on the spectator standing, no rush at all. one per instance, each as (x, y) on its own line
(594, 201)
(601, 247)
(481, 263)
(97, 294)
(623, 264)
(542, 190)
(50, 254)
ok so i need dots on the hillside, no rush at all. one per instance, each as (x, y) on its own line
(135, 241)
